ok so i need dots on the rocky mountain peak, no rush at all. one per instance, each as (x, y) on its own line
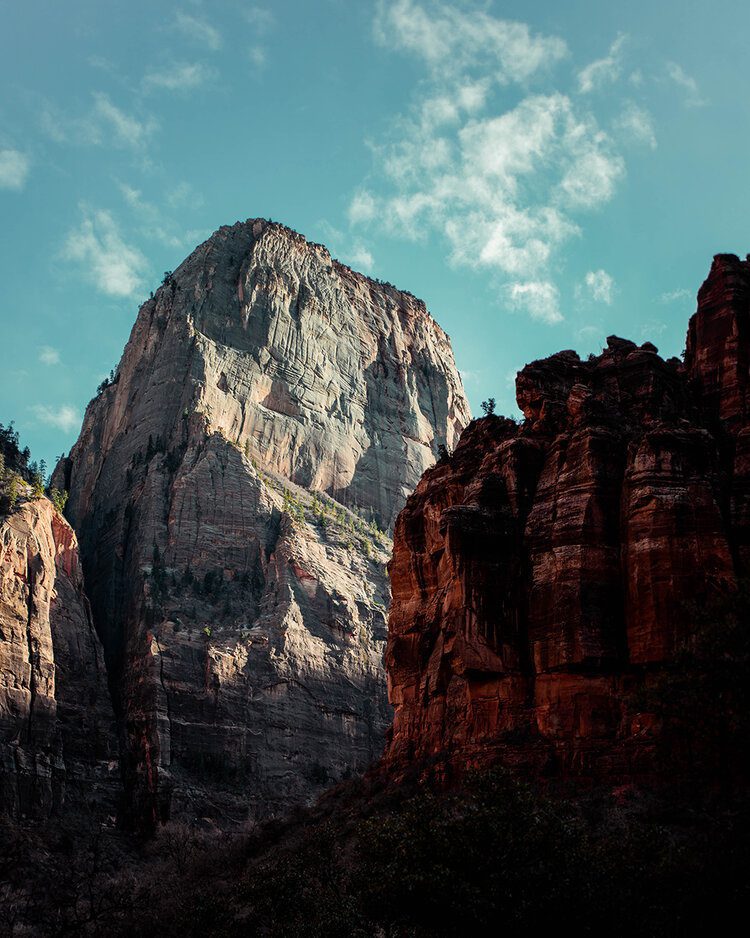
(233, 489)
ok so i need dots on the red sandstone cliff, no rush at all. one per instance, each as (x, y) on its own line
(543, 571)
(57, 738)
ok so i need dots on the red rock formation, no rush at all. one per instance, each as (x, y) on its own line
(57, 739)
(545, 568)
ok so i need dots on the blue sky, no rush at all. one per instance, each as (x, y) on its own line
(542, 174)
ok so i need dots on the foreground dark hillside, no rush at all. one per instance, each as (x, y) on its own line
(495, 856)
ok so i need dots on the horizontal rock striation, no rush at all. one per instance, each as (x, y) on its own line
(543, 571)
(58, 746)
(233, 489)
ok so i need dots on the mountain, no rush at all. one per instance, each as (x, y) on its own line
(549, 577)
(233, 489)
(58, 746)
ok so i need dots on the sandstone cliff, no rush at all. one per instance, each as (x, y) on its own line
(57, 740)
(232, 490)
(545, 570)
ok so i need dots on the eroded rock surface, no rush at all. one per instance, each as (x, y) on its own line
(542, 572)
(57, 736)
(242, 613)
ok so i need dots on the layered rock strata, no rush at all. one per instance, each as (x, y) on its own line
(543, 571)
(233, 490)
(58, 746)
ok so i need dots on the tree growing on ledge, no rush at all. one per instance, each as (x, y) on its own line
(488, 406)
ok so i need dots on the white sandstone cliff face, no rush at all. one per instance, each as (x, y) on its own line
(243, 618)
(57, 740)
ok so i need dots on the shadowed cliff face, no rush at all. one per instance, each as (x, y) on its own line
(265, 391)
(57, 739)
(546, 569)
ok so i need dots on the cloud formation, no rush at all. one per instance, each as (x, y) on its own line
(64, 417)
(672, 296)
(14, 169)
(49, 355)
(539, 298)
(600, 286)
(105, 124)
(693, 96)
(198, 30)
(635, 125)
(111, 265)
(602, 71)
(178, 77)
(503, 172)
(449, 40)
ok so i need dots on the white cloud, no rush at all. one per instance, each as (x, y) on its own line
(693, 96)
(198, 30)
(107, 120)
(673, 296)
(49, 355)
(635, 124)
(449, 39)
(65, 417)
(360, 257)
(156, 224)
(503, 175)
(539, 298)
(180, 77)
(602, 71)
(355, 252)
(104, 125)
(114, 267)
(14, 169)
(600, 286)
(362, 207)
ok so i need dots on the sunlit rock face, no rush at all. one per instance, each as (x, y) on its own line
(58, 747)
(546, 569)
(233, 491)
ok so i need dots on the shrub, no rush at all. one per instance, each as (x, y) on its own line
(59, 499)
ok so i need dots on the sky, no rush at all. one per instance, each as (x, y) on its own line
(542, 174)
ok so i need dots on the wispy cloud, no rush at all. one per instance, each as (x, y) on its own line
(672, 296)
(504, 175)
(257, 56)
(49, 355)
(64, 417)
(693, 96)
(105, 124)
(14, 169)
(198, 30)
(350, 250)
(600, 286)
(449, 40)
(156, 223)
(178, 77)
(107, 261)
(636, 125)
(128, 130)
(539, 298)
(603, 71)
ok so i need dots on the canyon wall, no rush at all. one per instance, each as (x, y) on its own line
(545, 571)
(234, 490)
(58, 747)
